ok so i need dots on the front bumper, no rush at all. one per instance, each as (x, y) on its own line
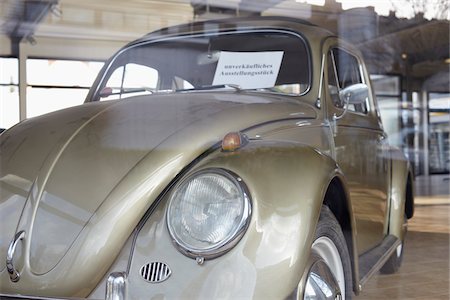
(116, 289)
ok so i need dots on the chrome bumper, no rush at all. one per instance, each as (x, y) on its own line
(21, 297)
(116, 289)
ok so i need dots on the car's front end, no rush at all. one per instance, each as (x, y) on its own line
(192, 187)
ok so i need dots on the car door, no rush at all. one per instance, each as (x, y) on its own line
(360, 145)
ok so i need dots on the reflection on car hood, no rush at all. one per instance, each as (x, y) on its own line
(83, 177)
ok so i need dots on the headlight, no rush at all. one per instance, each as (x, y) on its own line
(208, 213)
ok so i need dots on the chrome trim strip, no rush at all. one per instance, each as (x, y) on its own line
(380, 262)
(116, 286)
(14, 275)
(14, 297)
(322, 75)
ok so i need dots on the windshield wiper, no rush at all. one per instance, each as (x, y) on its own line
(138, 90)
(109, 91)
(212, 87)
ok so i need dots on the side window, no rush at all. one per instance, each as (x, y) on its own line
(343, 72)
(333, 86)
(130, 80)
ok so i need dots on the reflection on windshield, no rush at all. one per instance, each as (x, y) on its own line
(273, 61)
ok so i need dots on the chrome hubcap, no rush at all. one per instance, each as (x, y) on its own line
(321, 284)
(326, 278)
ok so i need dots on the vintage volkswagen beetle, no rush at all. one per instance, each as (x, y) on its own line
(241, 158)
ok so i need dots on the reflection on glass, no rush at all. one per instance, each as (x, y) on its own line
(388, 91)
(58, 84)
(42, 100)
(439, 133)
(385, 85)
(9, 106)
(389, 110)
(9, 71)
(9, 92)
(62, 72)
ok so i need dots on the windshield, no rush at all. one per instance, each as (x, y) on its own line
(275, 61)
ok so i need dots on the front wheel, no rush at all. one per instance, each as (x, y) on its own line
(330, 275)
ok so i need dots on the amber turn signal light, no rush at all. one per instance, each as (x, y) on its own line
(233, 141)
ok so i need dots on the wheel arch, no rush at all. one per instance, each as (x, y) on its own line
(409, 204)
(337, 199)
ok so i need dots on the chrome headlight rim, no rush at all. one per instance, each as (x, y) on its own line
(233, 238)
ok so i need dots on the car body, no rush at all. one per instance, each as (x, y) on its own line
(207, 162)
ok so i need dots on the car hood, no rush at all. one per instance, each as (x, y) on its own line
(79, 180)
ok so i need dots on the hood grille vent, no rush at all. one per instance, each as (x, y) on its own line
(155, 272)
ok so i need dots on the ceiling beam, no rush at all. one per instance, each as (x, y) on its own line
(232, 8)
(23, 19)
(257, 6)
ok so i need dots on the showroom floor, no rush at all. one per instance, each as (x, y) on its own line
(425, 271)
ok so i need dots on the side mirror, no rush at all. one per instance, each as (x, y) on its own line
(354, 94)
(106, 92)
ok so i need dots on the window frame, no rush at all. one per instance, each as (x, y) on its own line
(100, 83)
(368, 105)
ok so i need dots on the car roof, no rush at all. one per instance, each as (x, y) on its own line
(300, 26)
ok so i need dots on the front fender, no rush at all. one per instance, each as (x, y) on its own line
(287, 183)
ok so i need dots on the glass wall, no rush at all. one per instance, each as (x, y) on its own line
(388, 91)
(439, 131)
(9, 92)
(51, 85)
(403, 121)
(412, 130)
(57, 84)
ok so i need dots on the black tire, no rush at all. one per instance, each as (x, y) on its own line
(394, 262)
(329, 227)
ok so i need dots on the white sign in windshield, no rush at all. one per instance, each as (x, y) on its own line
(248, 70)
